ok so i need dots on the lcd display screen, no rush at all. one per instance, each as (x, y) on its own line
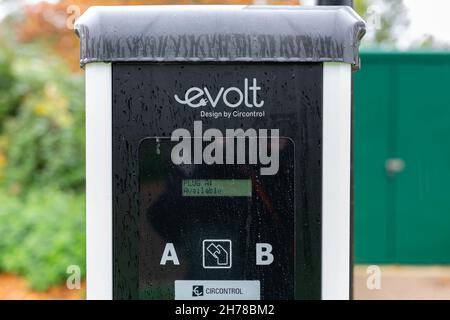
(217, 188)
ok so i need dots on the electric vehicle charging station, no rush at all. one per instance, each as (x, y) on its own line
(218, 151)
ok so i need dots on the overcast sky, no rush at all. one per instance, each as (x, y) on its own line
(429, 17)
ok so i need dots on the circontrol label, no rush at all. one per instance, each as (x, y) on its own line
(217, 290)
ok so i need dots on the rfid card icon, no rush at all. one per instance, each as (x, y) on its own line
(217, 254)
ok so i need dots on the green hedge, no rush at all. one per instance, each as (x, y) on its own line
(41, 235)
(42, 212)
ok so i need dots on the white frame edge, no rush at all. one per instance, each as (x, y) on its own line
(336, 171)
(99, 181)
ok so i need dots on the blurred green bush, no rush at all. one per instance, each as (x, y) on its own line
(42, 123)
(42, 228)
(42, 234)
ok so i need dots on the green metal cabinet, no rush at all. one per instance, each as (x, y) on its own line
(402, 158)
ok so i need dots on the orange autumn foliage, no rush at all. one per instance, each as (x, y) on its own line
(52, 22)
